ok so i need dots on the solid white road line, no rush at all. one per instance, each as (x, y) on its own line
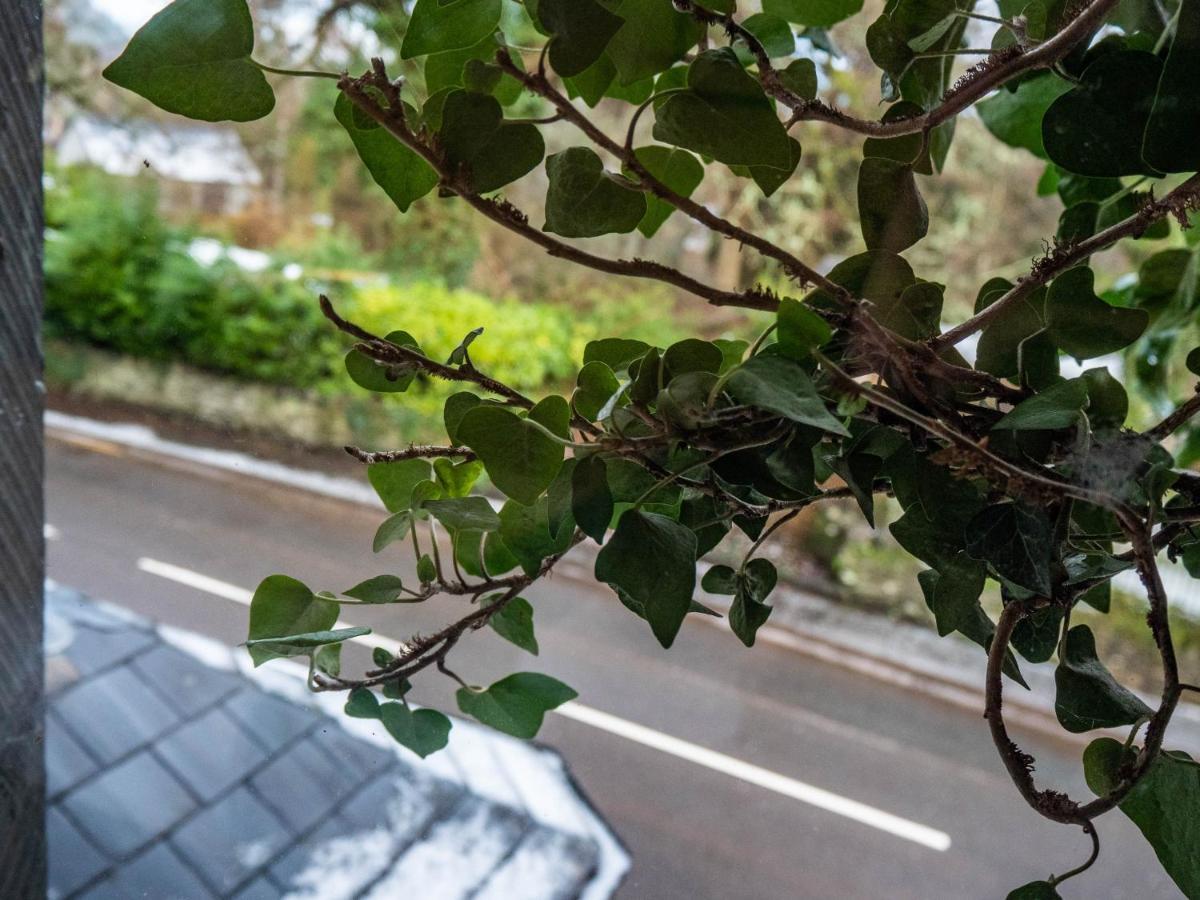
(639, 734)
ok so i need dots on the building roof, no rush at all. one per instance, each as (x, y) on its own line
(176, 771)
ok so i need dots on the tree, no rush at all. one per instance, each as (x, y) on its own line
(1005, 469)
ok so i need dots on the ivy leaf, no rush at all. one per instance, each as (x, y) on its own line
(283, 606)
(580, 29)
(473, 68)
(193, 59)
(910, 149)
(748, 612)
(517, 704)
(652, 559)
(1088, 695)
(1058, 406)
(652, 39)
(423, 731)
(460, 355)
(1083, 325)
(476, 138)
(1108, 402)
(592, 502)
(597, 390)
(800, 77)
(525, 532)
(404, 176)
(457, 406)
(584, 200)
(426, 569)
(1015, 117)
(394, 482)
(1000, 341)
(814, 13)
(514, 623)
(1162, 804)
(1096, 128)
(465, 514)
(380, 378)
(457, 479)
(304, 643)
(437, 26)
(1170, 144)
(800, 330)
(362, 704)
(678, 170)
(394, 528)
(520, 458)
(724, 114)
(782, 386)
(1035, 890)
(616, 353)
(891, 209)
(1016, 540)
(380, 589)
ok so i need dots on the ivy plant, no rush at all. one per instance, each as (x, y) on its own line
(1007, 471)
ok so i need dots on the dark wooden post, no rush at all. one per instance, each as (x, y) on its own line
(22, 548)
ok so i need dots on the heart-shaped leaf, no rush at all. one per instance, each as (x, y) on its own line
(814, 13)
(283, 606)
(652, 559)
(517, 704)
(1058, 406)
(1083, 325)
(748, 612)
(1096, 129)
(394, 528)
(476, 139)
(437, 26)
(580, 30)
(781, 386)
(678, 170)
(394, 482)
(362, 704)
(1016, 540)
(1088, 696)
(401, 172)
(464, 513)
(193, 59)
(520, 458)
(383, 379)
(591, 498)
(1170, 143)
(655, 35)
(724, 114)
(380, 589)
(514, 623)
(799, 329)
(1015, 117)
(423, 731)
(583, 200)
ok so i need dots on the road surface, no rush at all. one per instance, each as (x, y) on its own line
(728, 772)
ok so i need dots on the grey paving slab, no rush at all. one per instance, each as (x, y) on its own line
(129, 805)
(158, 874)
(114, 713)
(259, 889)
(67, 762)
(231, 840)
(94, 650)
(301, 786)
(273, 721)
(73, 859)
(211, 754)
(190, 685)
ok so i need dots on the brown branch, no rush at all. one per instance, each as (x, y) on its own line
(1177, 419)
(413, 451)
(1177, 202)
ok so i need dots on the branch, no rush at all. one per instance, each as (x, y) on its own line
(1176, 419)
(413, 451)
(1177, 203)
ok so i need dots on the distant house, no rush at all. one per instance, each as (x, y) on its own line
(201, 168)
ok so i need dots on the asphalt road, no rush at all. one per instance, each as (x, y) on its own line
(738, 825)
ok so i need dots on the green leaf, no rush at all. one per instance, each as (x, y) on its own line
(782, 386)
(678, 170)
(616, 353)
(283, 606)
(1096, 128)
(652, 39)
(591, 499)
(748, 612)
(520, 458)
(580, 29)
(1170, 144)
(394, 481)
(362, 704)
(724, 114)
(1088, 696)
(1016, 540)
(465, 514)
(910, 149)
(1193, 361)
(583, 200)
(891, 209)
(1015, 117)
(383, 379)
(460, 355)
(814, 13)
(380, 589)
(394, 528)
(193, 59)
(1163, 805)
(457, 479)
(302, 644)
(476, 138)
(457, 406)
(691, 355)
(404, 176)
(1108, 403)
(1000, 341)
(473, 68)
(426, 569)
(652, 559)
(517, 704)
(525, 531)
(423, 731)
(799, 329)
(437, 26)
(514, 623)
(597, 391)
(772, 32)
(1058, 406)
(800, 77)
(720, 580)
(1035, 890)
(1082, 324)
